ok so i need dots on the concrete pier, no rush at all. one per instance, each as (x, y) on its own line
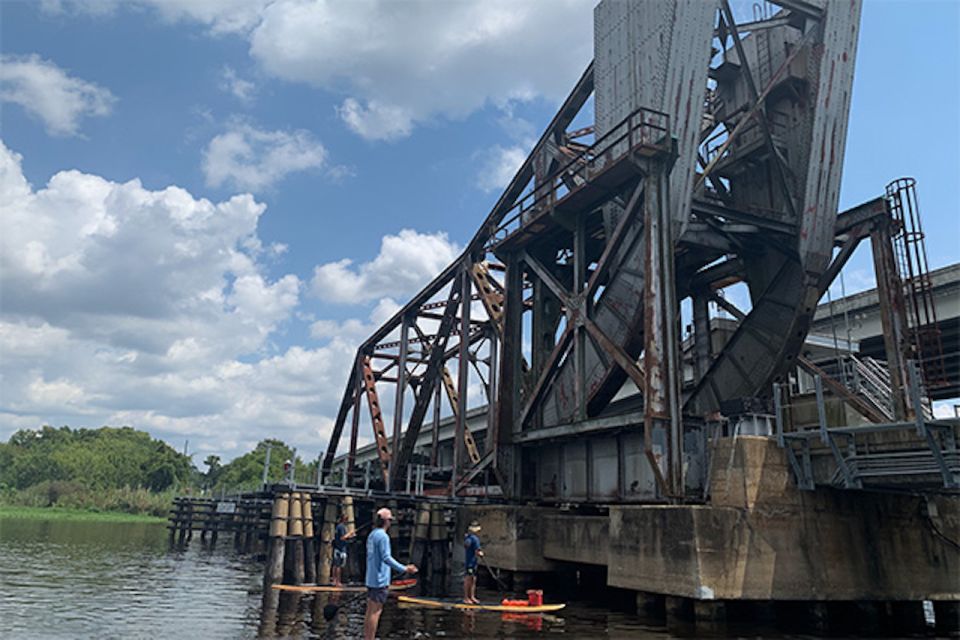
(759, 538)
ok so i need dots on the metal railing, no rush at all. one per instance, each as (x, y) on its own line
(644, 130)
(931, 452)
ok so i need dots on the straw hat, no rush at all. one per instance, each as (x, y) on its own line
(474, 527)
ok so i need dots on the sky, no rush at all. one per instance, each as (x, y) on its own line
(207, 204)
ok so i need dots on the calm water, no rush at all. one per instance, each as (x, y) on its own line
(61, 579)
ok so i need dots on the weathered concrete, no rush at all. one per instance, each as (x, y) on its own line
(581, 539)
(763, 539)
(511, 537)
(759, 538)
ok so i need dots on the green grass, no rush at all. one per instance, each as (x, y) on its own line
(59, 513)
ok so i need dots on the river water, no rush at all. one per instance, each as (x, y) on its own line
(63, 579)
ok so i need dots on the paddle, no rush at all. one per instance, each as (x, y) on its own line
(503, 587)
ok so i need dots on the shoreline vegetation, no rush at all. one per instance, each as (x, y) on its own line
(12, 512)
(120, 472)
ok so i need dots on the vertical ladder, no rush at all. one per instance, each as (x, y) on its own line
(911, 255)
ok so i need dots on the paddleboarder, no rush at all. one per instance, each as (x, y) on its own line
(379, 563)
(472, 555)
(340, 538)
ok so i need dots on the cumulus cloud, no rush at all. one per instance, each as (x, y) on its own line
(254, 159)
(48, 93)
(122, 305)
(126, 306)
(405, 263)
(399, 64)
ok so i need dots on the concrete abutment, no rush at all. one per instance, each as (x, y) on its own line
(822, 555)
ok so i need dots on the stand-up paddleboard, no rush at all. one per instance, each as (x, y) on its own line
(397, 585)
(455, 604)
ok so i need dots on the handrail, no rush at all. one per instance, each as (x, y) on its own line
(653, 128)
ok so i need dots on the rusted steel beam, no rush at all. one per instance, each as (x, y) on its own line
(376, 418)
(616, 240)
(428, 382)
(477, 468)
(623, 360)
(579, 315)
(463, 373)
(893, 315)
(847, 247)
(660, 407)
(564, 294)
(491, 295)
(546, 374)
(509, 392)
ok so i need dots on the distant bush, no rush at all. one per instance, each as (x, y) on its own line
(73, 495)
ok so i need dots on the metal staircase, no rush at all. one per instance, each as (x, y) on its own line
(869, 379)
(921, 453)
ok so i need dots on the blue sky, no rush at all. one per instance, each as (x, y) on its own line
(371, 137)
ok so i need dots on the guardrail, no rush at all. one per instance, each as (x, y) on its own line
(645, 131)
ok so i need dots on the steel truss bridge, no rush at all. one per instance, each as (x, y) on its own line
(695, 153)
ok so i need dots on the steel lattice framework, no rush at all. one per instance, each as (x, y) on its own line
(714, 158)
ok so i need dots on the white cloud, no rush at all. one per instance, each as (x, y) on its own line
(405, 263)
(126, 306)
(251, 158)
(499, 164)
(243, 90)
(376, 121)
(399, 64)
(220, 16)
(48, 93)
(406, 63)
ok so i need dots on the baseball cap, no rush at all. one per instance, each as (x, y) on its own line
(384, 513)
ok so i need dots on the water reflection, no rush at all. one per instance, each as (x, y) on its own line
(61, 579)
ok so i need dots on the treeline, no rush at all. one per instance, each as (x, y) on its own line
(245, 472)
(122, 469)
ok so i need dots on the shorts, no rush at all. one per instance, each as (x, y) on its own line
(339, 558)
(472, 571)
(378, 594)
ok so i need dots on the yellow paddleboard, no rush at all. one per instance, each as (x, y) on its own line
(448, 604)
(398, 585)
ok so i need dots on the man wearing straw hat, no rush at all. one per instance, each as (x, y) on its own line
(472, 554)
(379, 563)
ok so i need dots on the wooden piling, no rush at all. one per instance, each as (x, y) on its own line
(295, 539)
(278, 532)
(310, 567)
(327, 530)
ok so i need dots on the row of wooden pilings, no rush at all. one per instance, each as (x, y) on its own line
(297, 555)
(244, 521)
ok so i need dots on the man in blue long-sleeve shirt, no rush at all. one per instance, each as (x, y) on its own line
(379, 563)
